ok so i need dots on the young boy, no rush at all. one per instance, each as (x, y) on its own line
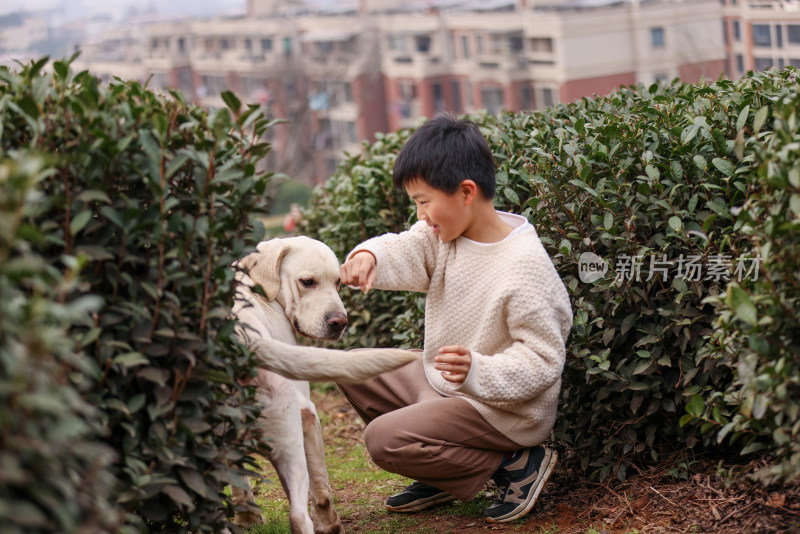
(497, 315)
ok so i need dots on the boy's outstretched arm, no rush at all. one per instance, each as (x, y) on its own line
(359, 271)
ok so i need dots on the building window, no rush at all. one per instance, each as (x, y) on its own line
(479, 44)
(515, 44)
(423, 43)
(737, 31)
(492, 99)
(547, 97)
(725, 31)
(465, 46)
(213, 84)
(287, 46)
(352, 135)
(794, 63)
(438, 97)
(266, 45)
(407, 90)
(793, 33)
(526, 97)
(657, 37)
(181, 45)
(781, 63)
(761, 35)
(541, 44)
(779, 35)
(739, 63)
(456, 96)
(348, 92)
(396, 43)
(763, 63)
(470, 96)
(660, 77)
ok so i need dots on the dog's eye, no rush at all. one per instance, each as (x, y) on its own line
(307, 282)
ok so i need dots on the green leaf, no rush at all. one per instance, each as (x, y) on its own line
(739, 301)
(761, 117)
(723, 165)
(696, 406)
(794, 203)
(742, 118)
(195, 481)
(233, 103)
(80, 221)
(700, 162)
(675, 223)
(93, 195)
(130, 359)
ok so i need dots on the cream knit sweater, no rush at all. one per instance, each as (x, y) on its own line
(504, 302)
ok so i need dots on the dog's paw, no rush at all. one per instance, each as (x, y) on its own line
(331, 529)
(249, 519)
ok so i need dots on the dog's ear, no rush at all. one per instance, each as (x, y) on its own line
(264, 266)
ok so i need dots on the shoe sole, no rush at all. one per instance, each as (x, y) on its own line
(417, 506)
(534, 495)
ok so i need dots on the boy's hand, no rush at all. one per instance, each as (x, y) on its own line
(359, 271)
(454, 361)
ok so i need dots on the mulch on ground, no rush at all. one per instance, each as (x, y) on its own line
(651, 501)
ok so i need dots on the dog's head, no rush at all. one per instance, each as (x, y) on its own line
(302, 275)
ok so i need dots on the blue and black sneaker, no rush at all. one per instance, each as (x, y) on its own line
(519, 483)
(418, 496)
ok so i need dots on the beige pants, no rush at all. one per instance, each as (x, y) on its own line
(414, 431)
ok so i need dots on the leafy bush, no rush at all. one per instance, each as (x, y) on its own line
(757, 328)
(53, 467)
(288, 193)
(648, 180)
(152, 196)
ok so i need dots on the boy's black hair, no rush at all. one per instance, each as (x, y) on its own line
(444, 152)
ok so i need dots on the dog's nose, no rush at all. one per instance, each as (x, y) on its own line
(337, 320)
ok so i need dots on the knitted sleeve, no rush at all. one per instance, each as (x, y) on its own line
(532, 364)
(404, 261)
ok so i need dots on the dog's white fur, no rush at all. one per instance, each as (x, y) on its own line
(299, 277)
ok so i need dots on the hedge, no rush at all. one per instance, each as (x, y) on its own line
(675, 190)
(119, 260)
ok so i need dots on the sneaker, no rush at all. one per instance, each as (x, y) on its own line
(519, 483)
(418, 496)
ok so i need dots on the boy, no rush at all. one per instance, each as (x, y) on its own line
(484, 395)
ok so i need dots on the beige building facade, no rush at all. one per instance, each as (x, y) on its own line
(760, 34)
(342, 72)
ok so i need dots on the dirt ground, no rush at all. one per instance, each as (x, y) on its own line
(652, 501)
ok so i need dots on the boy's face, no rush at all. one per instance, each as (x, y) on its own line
(447, 214)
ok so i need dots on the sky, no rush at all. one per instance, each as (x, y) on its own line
(118, 7)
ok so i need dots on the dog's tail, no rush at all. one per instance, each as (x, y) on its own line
(320, 364)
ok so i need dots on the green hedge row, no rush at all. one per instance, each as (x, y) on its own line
(685, 196)
(117, 284)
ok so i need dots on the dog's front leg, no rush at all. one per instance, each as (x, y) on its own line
(326, 520)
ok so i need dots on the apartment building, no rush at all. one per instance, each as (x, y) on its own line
(341, 72)
(760, 34)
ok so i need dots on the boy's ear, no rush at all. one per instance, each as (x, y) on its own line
(469, 190)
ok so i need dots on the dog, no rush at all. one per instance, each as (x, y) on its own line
(298, 278)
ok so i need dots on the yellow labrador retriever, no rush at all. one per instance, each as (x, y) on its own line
(299, 277)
